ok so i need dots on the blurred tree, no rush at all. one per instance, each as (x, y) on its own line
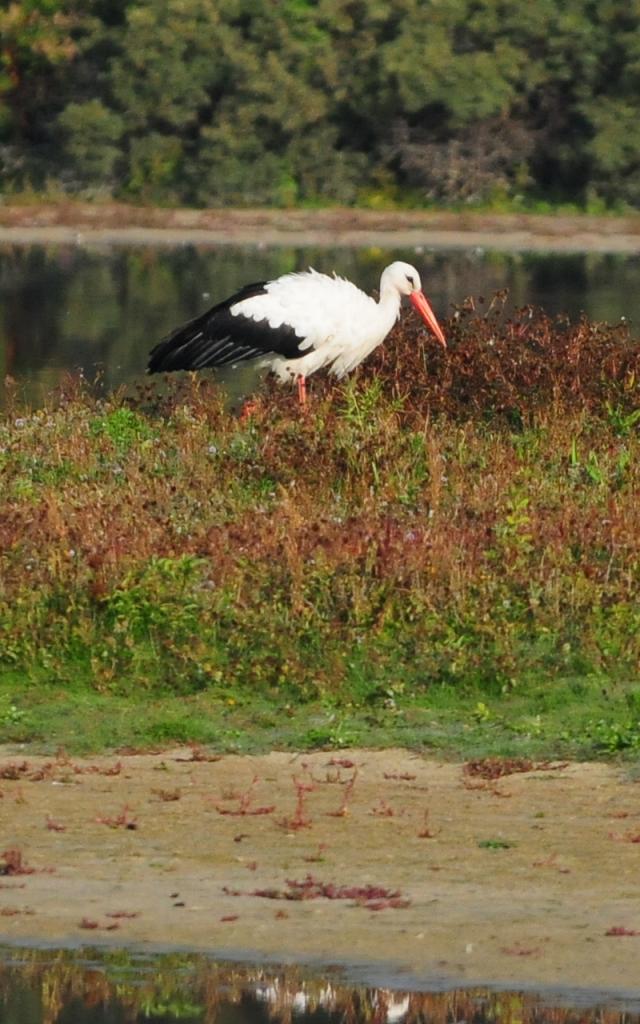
(276, 109)
(293, 101)
(504, 95)
(39, 46)
(35, 36)
(610, 106)
(93, 135)
(167, 69)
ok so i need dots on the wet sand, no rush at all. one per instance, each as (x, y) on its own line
(118, 224)
(405, 862)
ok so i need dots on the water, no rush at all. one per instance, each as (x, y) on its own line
(100, 310)
(119, 987)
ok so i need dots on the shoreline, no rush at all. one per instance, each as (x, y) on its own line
(343, 971)
(118, 224)
(188, 843)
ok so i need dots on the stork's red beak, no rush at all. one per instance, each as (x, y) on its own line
(424, 309)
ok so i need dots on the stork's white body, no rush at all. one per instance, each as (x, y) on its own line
(339, 324)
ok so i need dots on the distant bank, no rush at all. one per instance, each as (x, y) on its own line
(121, 224)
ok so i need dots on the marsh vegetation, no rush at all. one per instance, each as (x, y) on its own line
(443, 550)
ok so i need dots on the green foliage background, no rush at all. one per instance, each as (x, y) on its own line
(288, 102)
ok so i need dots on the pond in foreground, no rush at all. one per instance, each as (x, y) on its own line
(119, 987)
(100, 310)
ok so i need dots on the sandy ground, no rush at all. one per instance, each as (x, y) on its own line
(201, 854)
(118, 224)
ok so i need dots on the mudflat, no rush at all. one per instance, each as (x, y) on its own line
(490, 872)
(122, 224)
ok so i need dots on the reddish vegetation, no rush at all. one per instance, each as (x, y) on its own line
(122, 820)
(481, 500)
(620, 930)
(552, 862)
(55, 826)
(382, 809)
(372, 897)
(299, 820)
(318, 856)
(13, 864)
(625, 837)
(395, 903)
(347, 793)
(90, 925)
(14, 770)
(199, 755)
(508, 366)
(97, 769)
(495, 767)
(61, 767)
(244, 803)
(487, 785)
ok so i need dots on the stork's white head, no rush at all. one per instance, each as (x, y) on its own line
(405, 280)
(401, 276)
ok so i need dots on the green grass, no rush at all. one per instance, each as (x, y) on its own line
(443, 553)
(582, 722)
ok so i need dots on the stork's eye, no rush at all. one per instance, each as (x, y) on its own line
(411, 281)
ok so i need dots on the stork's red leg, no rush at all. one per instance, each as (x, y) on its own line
(302, 389)
(249, 406)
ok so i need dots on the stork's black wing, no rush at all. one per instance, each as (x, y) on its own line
(218, 337)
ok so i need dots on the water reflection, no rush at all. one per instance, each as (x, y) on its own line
(69, 308)
(117, 987)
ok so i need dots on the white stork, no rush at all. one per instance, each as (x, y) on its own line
(297, 324)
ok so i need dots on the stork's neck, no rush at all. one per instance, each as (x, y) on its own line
(389, 303)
